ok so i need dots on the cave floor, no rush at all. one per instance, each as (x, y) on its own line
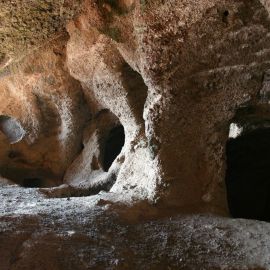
(77, 233)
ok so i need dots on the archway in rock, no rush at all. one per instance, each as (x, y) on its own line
(248, 174)
(113, 146)
(31, 183)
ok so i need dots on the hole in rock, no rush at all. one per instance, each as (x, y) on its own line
(225, 16)
(11, 128)
(31, 183)
(113, 146)
(13, 154)
(30, 178)
(248, 175)
(226, 13)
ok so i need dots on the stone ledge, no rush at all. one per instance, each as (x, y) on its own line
(38, 233)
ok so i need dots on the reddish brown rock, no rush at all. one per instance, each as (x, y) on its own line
(198, 71)
(45, 114)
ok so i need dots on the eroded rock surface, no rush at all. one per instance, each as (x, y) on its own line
(56, 234)
(26, 25)
(47, 113)
(199, 65)
(132, 103)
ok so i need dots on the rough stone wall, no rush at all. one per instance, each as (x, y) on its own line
(210, 69)
(175, 75)
(174, 82)
(199, 63)
(111, 81)
(27, 24)
(51, 108)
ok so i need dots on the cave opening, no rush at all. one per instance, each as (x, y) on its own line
(248, 174)
(30, 177)
(31, 183)
(113, 146)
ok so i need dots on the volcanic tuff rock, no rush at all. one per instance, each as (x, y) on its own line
(132, 102)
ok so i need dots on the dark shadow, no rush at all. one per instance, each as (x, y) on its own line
(248, 175)
(31, 183)
(31, 178)
(113, 146)
(137, 90)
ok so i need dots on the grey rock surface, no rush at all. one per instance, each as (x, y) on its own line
(80, 233)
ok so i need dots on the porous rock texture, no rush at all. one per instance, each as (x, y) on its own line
(83, 233)
(174, 75)
(27, 24)
(49, 106)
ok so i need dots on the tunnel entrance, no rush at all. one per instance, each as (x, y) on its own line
(31, 183)
(30, 178)
(113, 146)
(248, 175)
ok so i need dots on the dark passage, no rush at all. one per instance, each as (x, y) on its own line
(31, 183)
(248, 175)
(29, 177)
(113, 146)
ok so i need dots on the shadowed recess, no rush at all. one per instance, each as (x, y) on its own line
(30, 177)
(31, 183)
(113, 146)
(137, 90)
(248, 175)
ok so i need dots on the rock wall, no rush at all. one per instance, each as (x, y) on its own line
(50, 108)
(199, 64)
(28, 24)
(174, 82)
(131, 101)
